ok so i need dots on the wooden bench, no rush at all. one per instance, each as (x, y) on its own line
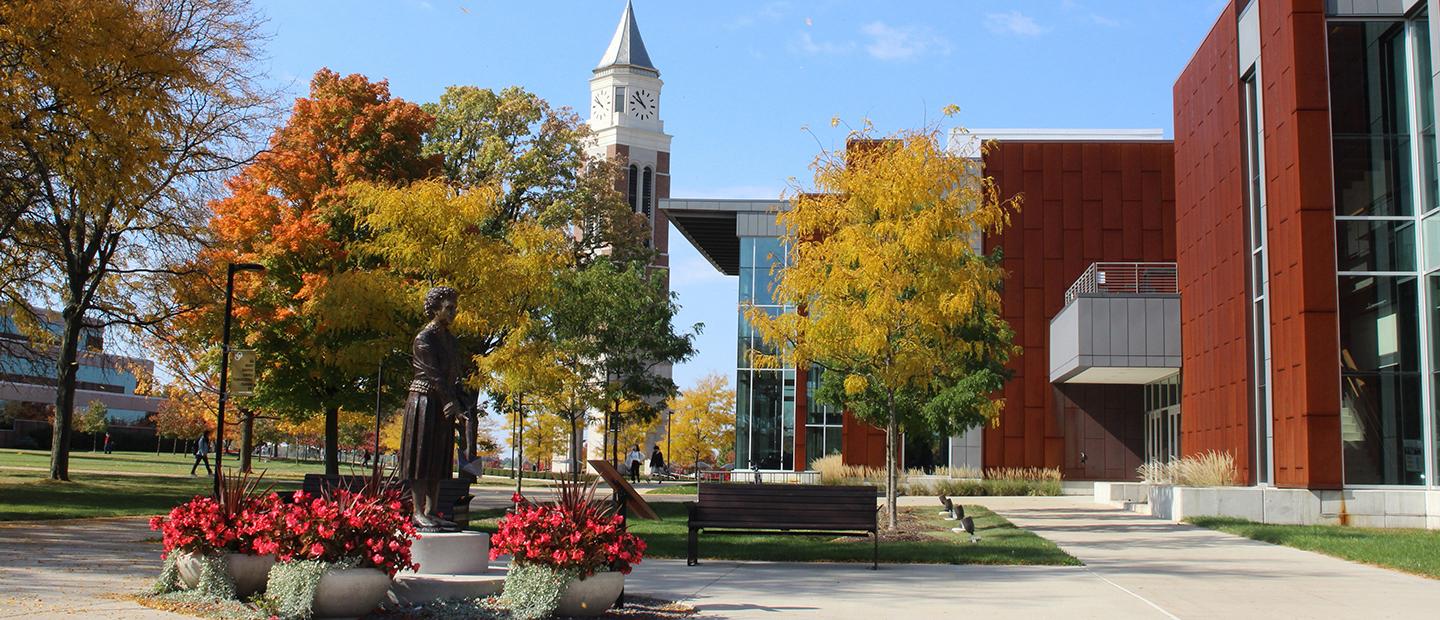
(803, 509)
(454, 502)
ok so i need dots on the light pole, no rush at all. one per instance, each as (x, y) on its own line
(519, 448)
(379, 383)
(225, 363)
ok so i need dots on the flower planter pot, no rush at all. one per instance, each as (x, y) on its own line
(591, 596)
(350, 593)
(246, 570)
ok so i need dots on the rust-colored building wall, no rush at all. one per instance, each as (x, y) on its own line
(1084, 202)
(1300, 198)
(1212, 253)
(863, 444)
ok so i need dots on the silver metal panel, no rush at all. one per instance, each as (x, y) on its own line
(1135, 319)
(1248, 35)
(1172, 327)
(1100, 329)
(1357, 8)
(1154, 327)
(1119, 330)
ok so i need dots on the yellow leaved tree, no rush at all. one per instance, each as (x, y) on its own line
(901, 310)
(702, 421)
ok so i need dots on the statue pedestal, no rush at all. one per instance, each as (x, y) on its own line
(452, 565)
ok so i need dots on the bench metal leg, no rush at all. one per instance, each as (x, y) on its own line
(692, 548)
(875, 558)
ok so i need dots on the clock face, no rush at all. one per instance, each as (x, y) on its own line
(599, 106)
(642, 104)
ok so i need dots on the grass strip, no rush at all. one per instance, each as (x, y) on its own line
(1410, 550)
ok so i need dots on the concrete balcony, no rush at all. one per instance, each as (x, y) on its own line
(1120, 324)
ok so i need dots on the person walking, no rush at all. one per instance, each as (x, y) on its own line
(107, 442)
(634, 458)
(657, 462)
(202, 454)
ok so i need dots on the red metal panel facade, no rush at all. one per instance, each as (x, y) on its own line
(1300, 195)
(1084, 202)
(1212, 253)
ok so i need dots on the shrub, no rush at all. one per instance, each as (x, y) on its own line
(1207, 469)
(206, 526)
(575, 534)
(1023, 473)
(361, 529)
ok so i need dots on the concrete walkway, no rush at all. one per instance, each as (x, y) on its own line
(77, 569)
(1136, 567)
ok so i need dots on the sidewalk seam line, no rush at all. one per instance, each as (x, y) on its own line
(1127, 591)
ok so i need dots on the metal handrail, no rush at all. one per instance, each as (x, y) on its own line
(1124, 279)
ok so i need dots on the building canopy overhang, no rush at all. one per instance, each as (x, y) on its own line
(715, 226)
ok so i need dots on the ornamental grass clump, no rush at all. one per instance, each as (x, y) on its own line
(1207, 469)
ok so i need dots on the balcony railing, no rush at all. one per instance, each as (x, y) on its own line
(1124, 279)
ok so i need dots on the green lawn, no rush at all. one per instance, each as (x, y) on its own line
(30, 495)
(1002, 542)
(679, 488)
(1409, 550)
(151, 463)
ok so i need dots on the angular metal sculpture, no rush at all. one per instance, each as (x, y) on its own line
(434, 406)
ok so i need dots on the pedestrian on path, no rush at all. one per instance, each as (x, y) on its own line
(634, 458)
(107, 442)
(202, 454)
(657, 462)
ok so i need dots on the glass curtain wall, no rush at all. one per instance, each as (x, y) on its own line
(1162, 420)
(1383, 131)
(764, 397)
(822, 423)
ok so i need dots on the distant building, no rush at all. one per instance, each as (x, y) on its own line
(28, 376)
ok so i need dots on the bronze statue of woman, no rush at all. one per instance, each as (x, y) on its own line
(427, 445)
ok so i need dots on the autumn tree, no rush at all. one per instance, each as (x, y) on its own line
(535, 156)
(94, 421)
(702, 421)
(183, 415)
(115, 115)
(598, 345)
(545, 436)
(901, 310)
(317, 319)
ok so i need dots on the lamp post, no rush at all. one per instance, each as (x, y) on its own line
(225, 364)
(379, 391)
(520, 445)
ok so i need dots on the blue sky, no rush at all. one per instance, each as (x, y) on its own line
(744, 78)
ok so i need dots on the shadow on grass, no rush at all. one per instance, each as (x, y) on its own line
(1001, 542)
(33, 496)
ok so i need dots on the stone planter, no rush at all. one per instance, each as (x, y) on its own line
(350, 593)
(591, 596)
(249, 572)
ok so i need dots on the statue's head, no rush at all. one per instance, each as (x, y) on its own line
(440, 304)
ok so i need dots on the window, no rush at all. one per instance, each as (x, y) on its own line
(1261, 420)
(645, 207)
(630, 194)
(1383, 126)
(619, 102)
(765, 397)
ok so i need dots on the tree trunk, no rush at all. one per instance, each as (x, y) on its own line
(892, 431)
(332, 441)
(247, 439)
(65, 392)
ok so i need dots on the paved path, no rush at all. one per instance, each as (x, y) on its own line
(1136, 567)
(1190, 572)
(77, 568)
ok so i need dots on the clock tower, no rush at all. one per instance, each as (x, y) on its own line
(625, 117)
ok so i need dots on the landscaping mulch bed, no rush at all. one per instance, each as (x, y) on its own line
(636, 608)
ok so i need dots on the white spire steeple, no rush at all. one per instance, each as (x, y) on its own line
(626, 47)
